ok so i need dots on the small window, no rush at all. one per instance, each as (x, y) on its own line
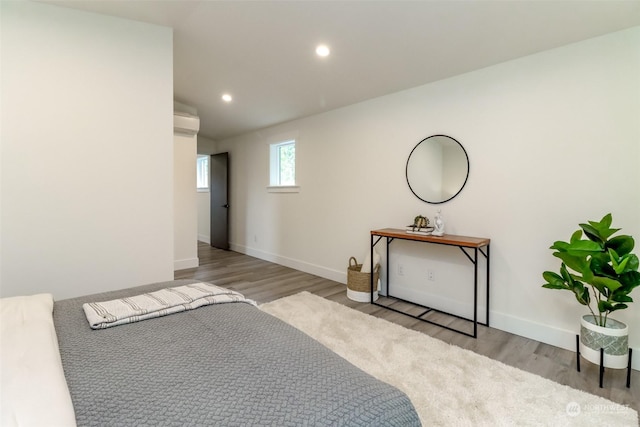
(283, 164)
(202, 171)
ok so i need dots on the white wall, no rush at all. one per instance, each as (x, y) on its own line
(185, 200)
(185, 241)
(553, 140)
(87, 151)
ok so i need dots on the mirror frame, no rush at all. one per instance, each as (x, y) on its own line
(465, 178)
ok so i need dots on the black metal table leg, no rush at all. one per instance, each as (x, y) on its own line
(375, 285)
(475, 292)
(488, 260)
(629, 369)
(601, 366)
(578, 352)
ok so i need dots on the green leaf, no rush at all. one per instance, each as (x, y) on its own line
(586, 296)
(551, 277)
(629, 280)
(619, 264)
(577, 235)
(610, 284)
(618, 307)
(603, 227)
(633, 263)
(607, 220)
(599, 264)
(559, 246)
(576, 263)
(621, 298)
(555, 286)
(565, 275)
(554, 281)
(592, 233)
(579, 291)
(613, 255)
(587, 272)
(584, 246)
(600, 231)
(580, 299)
(623, 245)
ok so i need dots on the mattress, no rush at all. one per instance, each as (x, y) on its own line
(224, 365)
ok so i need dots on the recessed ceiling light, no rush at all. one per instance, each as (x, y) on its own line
(323, 50)
(227, 98)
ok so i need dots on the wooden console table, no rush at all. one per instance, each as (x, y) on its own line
(470, 246)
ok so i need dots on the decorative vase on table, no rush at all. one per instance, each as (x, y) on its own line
(439, 230)
(600, 271)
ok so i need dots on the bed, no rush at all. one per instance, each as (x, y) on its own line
(222, 364)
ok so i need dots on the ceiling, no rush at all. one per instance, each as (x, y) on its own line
(263, 52)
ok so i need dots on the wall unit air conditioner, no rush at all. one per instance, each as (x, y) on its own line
(185, 124)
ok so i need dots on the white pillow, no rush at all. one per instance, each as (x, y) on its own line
(366, 265)
(34, 389)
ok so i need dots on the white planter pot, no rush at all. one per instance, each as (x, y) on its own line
(614, 339)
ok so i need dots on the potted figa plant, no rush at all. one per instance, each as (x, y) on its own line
(601, 272)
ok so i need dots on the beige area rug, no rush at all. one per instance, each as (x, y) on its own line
(449, 386)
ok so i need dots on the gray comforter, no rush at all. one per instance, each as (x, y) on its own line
(222, 365)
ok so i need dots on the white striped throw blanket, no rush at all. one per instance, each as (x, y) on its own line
(159, 303)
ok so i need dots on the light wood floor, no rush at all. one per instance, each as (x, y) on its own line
(264, 281)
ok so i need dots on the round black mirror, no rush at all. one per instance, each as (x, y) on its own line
(437, 169)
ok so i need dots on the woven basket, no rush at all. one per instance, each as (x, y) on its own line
(358, 281)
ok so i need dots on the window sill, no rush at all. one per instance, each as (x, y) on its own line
(283, 189)
(203, 190)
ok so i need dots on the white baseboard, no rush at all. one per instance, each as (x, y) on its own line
(181, 264)
(327, 273)
(505, 322)
(526, 328)
(204, 238)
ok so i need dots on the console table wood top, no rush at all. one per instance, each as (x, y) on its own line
(447, 239)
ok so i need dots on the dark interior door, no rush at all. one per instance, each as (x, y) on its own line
(219, 189)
